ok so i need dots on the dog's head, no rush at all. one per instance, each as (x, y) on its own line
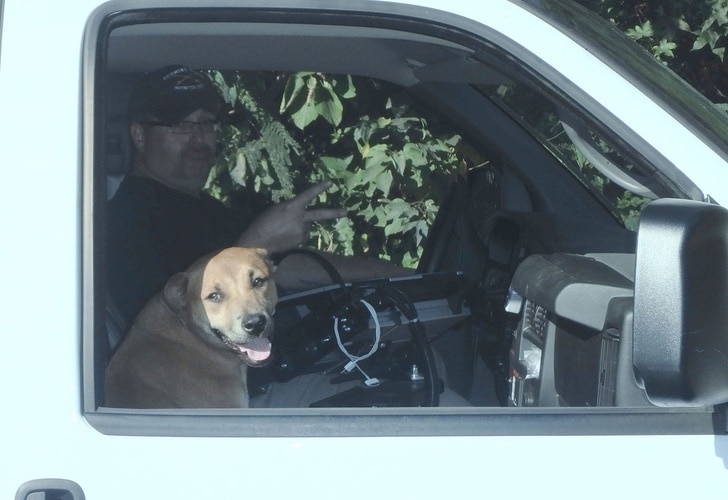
(230, 298)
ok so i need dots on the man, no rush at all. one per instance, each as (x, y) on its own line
(160, 221)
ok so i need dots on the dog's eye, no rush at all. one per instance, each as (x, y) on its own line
(259, 282)
(214, 297)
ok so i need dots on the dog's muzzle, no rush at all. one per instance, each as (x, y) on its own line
(258, 349)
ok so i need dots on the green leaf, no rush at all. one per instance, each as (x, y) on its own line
(295, 91)
(334, 166)
(641, 31)
(394, 227)
(305, 115)
(376, 156)
(665, 48)
(705, 38)
(396, 208)
(328, 105)
(353, 181)
(345, 88)
(369, 177)
(384, 182)
(415, 154)
(682, 25)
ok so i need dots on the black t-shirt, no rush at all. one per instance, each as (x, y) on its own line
(154, 232)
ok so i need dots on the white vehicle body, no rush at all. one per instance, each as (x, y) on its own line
(44, 433)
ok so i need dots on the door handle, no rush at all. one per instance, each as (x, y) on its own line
(50, 489)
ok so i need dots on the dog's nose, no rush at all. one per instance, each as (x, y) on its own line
(254, 324)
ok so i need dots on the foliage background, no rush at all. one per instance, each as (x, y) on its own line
(390, 161)
(689, 36)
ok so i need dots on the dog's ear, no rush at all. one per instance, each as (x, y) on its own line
(272, 290)
(265, 255)
(175, 291)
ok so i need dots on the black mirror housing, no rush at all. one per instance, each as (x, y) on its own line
(681, 303)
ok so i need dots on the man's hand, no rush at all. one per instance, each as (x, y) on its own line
(287, 224)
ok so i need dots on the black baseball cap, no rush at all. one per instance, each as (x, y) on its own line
(170, 93)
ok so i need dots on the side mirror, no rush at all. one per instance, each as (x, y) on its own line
(681, 303)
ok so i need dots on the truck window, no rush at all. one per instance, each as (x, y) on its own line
(464, 177)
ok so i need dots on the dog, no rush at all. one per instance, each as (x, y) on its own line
(191, 345)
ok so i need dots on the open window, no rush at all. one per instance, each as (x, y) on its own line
(441, 144)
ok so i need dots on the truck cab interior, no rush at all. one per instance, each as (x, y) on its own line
(534, 285)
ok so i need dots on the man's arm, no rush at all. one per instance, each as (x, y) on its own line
(287, 225)
(301, 272)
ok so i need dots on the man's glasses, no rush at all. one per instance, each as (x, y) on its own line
(187, 127)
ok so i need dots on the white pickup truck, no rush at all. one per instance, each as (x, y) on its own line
(580, 209)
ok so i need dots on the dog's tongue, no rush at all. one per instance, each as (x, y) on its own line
(257, 350)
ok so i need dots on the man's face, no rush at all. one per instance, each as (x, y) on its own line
(179, 161)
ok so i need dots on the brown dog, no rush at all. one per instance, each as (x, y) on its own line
(192, 343)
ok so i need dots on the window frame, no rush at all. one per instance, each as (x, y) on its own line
(486, 421)
(2, 10)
